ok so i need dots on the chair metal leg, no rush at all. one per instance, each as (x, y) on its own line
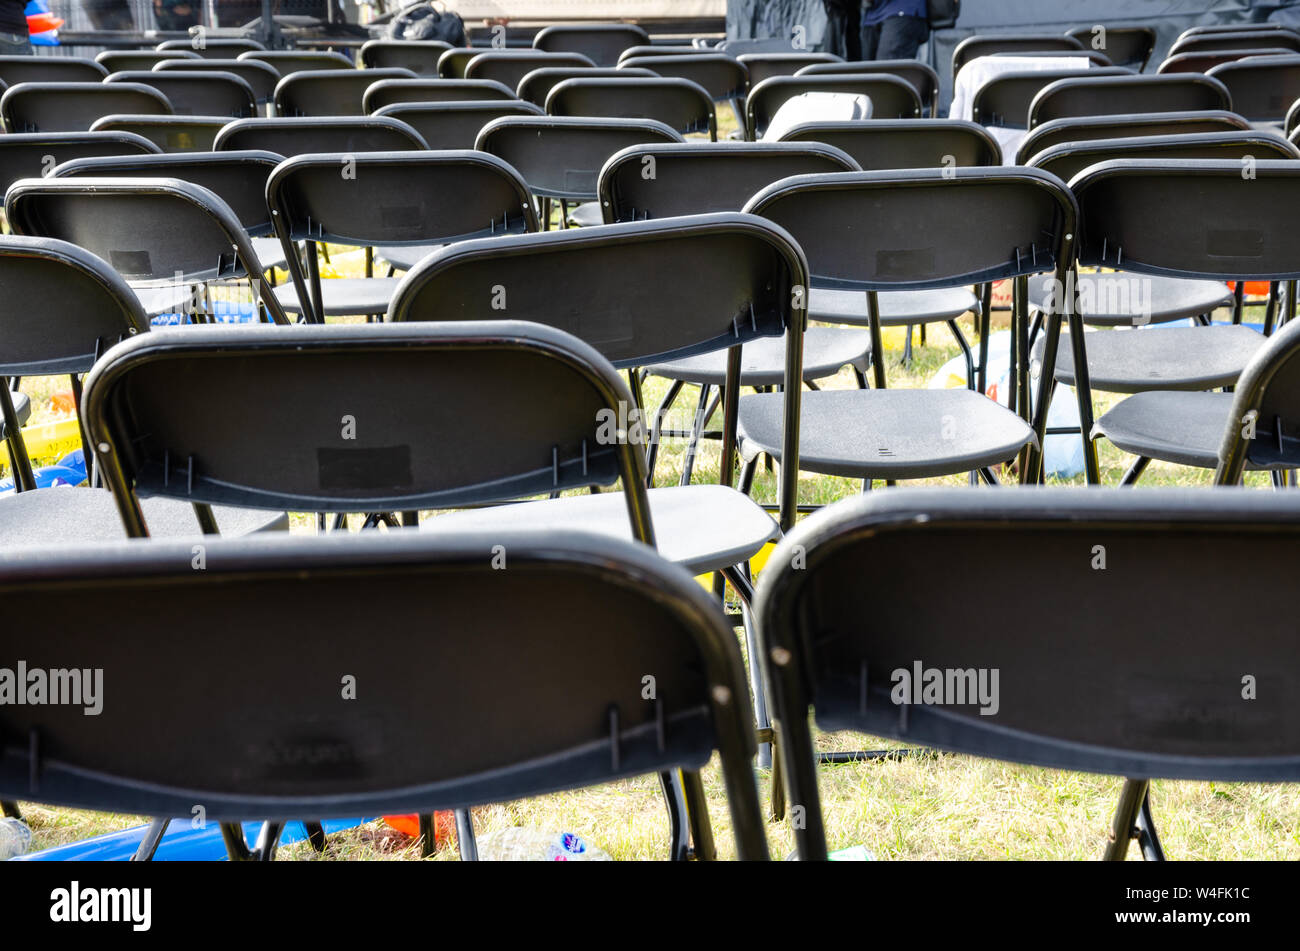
(465, 836)
(1122, 828)
(745, 591)
(656, 425)
(697, 810)
(315, 834)
(688, 464)
(678, 839)
(268, 840)
(152, 837)
(9, 809)
(232, 833)
(1148, 838)
(1135, 471)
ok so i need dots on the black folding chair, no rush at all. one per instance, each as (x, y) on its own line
(1262, 89)
(290, 137)
(768, 65)
(600, 42)
(1264, 397)
(1265, 39)
(214, 47)
(452, 63)
(957, 226)
(197, 93)
(74, 106)
(1086, 128)
(561, 157)
(286, 62)
(167, 237)
(396, 201)
(663, 49)
(260, 76)
(508, 67)
(419, 56)
(1292, 120)
(852, 630)
(891, 97)
(1205, 61)
(537, 84)
(1189, 218)
(32, 154)
(87, 309)
(1234, 28)
(386, 92)
(329, 92)
(1123, 45)
(921, 75)
(1005, 99)
(992, 44)
(116, 61)
(140, 423)
(725, 78)
(1111, 95)
(169, 133)
(678, 103)
(49, 69)
(455, 125)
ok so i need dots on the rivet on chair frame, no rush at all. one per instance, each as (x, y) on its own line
(781, 656)
(721, 695)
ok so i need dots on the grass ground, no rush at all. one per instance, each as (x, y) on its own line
(924, 807)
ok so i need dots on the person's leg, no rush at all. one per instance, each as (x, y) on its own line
(901, 37)
(11, 44)
(870, 40)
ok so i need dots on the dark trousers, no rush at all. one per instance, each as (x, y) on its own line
(15, 44)
(844, 28)
(894, 38)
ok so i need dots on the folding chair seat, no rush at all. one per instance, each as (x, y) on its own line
(1203, 62)
(992, 44)
(1123, 45)
(386, 92)
(1087, 128)
(74, 106)
(86, 309)
(767, 65)
(1244, 40)
(1162, 237)
(290, 137)
(169, 133)
(891, 97)
(1111, 95)
(419, 56)
(259, 76)
(329, 92)
(214, 47)
(974, 226)
(168, 238)
(140, 422)
(32, 154)
(677, 103)
(49, 69)
(920, 75)
(455, 125)
(538, 83)
(1262, 89)
(412, 201)
(602, 43)
(117, 61)
(508, 67)
(853, 631)
(286, 62)
(561, 157)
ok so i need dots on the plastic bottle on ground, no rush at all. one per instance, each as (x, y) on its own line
(15, 838)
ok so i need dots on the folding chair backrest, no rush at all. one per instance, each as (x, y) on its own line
(289, 137)
(432, 407)
(693, 179)
(1262, 89)
(329, 92)
(508, 67)
(388, 91)
(537, 84)
(725, 78)
(762, 66)
(1068, 159)
(1292, 119)
(1110, 95)
(1237, 41)
(1263, 428)
(452, 63)
(904, 143)
(921, 75)
(237, 178)
(419, 56)
(197, 93)
(1142, 678)
(891, 97)
(33, 154)
(1005, 99)
(1084, 128)
(116, 61)
(49, 69)
(86, 307)
(656, 49)
(600, 42)
(74, 107)
(214, 47)
(545, 664)
(169, 133)
(1202, 29)
(1203, 62)
(455, 125)
(153, 231)
(286, 62)
(991, 44)
(678, 103)
(929, 227)
(259, 76)
(1123, 45)
(561, 157)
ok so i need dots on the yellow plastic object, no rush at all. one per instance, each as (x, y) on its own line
(895, 338)
(755, 566)
(52, 440)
